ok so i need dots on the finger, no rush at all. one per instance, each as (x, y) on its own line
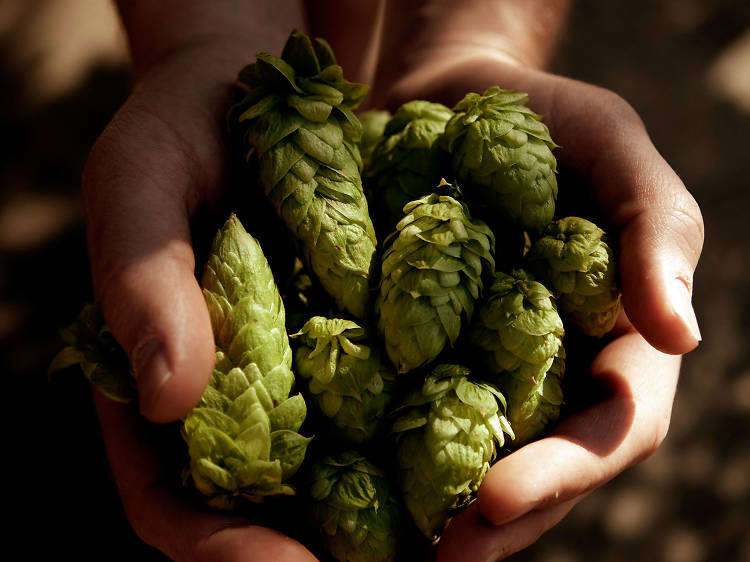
(137, 194)
(469, 536)
(161, 518)
(590, 447)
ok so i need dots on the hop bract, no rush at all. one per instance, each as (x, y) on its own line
(447, 435)
(407, 163)
(243, 436)
(578, 264)
(373, 126)
(354, 508)
(297, 120)
(502, 156)
(347, 377)
(431, 277)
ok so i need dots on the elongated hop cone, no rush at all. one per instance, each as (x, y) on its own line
(347, 377)
(533, 406)
(92, 346)
(373, 127)
(407, 163)
(243, 436)
(502, 155)
(431, 278)
(297, 120)
(580, 267)
(518, 327)
(447, 435)
(354, 508)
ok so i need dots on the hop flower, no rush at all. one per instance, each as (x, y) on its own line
(297, 120)
(502, 155)
(447, 435)
(578, 264)
(347, 378)
(243, 436)
(354, 508)
(407, 163)
(431, 277)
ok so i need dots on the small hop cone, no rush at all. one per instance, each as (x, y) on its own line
(92, 346)
(573, 257)
(407, 163)
(373, 126)
(297, 121)
(447, 434)
(534, 406)
(243, 436)
(354, 508)
(431, 277)
(502, 155)
(346, 375)
(518, 327)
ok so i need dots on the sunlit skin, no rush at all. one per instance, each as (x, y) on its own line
(163, 157)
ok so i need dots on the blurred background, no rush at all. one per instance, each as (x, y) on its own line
(683, 64)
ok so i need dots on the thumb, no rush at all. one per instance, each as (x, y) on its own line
(143, 265)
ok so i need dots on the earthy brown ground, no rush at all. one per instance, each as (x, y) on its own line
(682, 65)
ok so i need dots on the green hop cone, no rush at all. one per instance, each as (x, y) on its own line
(243, 436)
(347, 377)
(534, 406)
(91, 345)
(447, 434)
(297, 120)
(407, 163)
(373, 126)
(502, 154)
(354, 508)
(573, 257)
(431, 277)
(520, 334)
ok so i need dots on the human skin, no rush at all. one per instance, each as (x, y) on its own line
(163, 157)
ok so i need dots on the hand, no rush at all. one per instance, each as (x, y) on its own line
(161, 158)
(660, 238)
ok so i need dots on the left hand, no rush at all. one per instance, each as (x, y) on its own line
(660, 238)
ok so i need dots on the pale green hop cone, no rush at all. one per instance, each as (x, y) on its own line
(447, 434)
(347, 377)
(297, 121)
(534, 406)
(373, 126)
(92, 346)
(431, 278)
(573, 257)
(502, 157)
(517, 327)
(407, 163)
(354, 508)
(243, 436)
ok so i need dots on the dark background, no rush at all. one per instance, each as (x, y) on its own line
(683, 64)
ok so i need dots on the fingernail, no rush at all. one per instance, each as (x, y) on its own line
(683, 306)
(151, 371)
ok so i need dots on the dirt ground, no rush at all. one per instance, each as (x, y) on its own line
(683, 64)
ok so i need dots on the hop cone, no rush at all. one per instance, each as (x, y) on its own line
(354, 508)
(297, 120)
(578, 264)
(91, 345)
(446, 437)
(407, 163)
(242, 437)
(534, 406)
(431, 277)
(520, 332)
(502, 154)
(350, 382)
(373, 126)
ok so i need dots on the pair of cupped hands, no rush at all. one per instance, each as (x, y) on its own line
(164, 156)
